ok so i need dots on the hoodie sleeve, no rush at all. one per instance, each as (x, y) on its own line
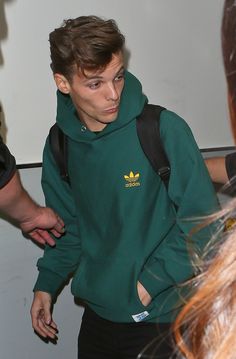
(193, 195)
(60, 261)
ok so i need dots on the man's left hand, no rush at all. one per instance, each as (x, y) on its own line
(144, 296)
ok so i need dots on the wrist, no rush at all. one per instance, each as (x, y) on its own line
(30, 210)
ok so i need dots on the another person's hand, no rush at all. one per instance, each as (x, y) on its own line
(41, 221)
(33, 219)
(143, 294)
(41, 316)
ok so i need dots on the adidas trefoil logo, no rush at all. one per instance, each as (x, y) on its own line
(132, 179)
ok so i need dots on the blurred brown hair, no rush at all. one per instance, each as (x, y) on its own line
(228, 37)
(206, 326)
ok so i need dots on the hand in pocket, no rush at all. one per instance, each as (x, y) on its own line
(143, 294)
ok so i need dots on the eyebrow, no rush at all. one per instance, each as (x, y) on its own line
(97, 77)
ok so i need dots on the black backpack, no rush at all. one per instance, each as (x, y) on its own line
(149, 136)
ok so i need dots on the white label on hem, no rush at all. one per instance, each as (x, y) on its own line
(140, 316)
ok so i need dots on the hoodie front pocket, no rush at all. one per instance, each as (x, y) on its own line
(108, 283)
(138, 300)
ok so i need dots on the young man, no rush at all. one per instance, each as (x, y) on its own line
(126, 236)
(16, 203)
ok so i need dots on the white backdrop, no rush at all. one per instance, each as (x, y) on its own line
(175, 51)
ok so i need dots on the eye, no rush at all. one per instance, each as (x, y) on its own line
(94, 85)
(119, 77)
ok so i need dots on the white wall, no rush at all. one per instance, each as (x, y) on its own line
(18, 257)
(175, 51)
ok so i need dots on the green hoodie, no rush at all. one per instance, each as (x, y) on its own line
(121, 224)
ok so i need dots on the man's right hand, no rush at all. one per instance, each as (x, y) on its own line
(41, 317)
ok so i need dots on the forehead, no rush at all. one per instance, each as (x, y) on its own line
(111, 69)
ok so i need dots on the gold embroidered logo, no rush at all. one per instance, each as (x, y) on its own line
(132, 180)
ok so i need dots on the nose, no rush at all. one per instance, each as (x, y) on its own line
(112, 92)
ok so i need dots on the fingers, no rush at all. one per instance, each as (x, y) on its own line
(42, 236)
(57, 223)
(42, 321)
(56, 233)
(41, 225)
(41, 222)
(58, 229)
(46, 328)
(59, 226)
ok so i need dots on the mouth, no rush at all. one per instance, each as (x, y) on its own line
(112, 109)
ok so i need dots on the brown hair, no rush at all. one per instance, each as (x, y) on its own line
(87, 42)
(206, 326)
(228, 35)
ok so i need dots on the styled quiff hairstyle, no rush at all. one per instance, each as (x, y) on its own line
(84, 43)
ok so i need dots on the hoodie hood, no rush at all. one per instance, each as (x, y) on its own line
(131, 105)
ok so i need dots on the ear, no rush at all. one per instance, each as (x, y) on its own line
(62, 83)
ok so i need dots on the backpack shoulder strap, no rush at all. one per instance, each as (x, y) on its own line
(149, 136)
(148, 129)
(58, 144)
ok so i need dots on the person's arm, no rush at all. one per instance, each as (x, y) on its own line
(16, 203)
(33, 219)
(217, 169)
(192, 192)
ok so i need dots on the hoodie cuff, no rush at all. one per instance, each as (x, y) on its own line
(48, 282)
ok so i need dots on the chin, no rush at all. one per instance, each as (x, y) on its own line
(113, 117)
(109, 119)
